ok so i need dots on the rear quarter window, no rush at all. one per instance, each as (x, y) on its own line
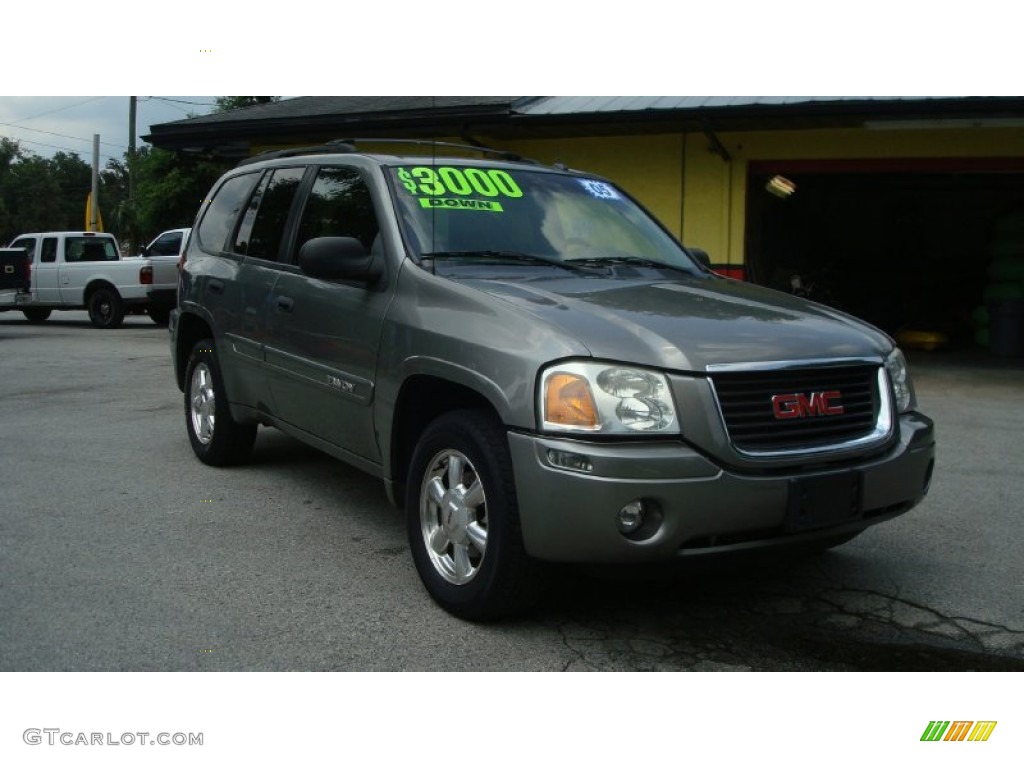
(229, 200)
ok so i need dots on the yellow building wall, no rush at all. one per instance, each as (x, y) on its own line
(702, 198)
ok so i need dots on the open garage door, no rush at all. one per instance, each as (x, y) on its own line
(902, 244)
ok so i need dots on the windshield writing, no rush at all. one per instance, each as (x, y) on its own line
(553, 216)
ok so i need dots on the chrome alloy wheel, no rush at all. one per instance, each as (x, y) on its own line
(202, 403)
(453, 516)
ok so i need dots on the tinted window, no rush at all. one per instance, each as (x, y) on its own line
(166, 245)
(49, 250)
(89, 249)
(262, 228)
(339, 205)
(220, 217)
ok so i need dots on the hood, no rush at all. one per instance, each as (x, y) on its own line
(687, 324)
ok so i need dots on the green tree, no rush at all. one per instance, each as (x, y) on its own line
(170, 188)
(227, 103)
(9, 153)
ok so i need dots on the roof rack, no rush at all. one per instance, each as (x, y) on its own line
(345, 146)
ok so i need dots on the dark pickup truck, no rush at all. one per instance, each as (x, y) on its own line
(14, 270)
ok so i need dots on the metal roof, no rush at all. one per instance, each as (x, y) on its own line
(575, 105)
(313, 119)
(318, 106)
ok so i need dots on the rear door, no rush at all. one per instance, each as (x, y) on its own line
(324, 334)
(254, 225)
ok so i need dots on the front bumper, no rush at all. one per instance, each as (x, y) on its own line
(702, 508)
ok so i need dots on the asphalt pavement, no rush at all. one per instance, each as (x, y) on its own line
(120, 551)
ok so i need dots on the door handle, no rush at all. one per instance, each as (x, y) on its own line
(215, 286)
(285, 304)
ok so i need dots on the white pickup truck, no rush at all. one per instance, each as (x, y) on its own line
(85, 270)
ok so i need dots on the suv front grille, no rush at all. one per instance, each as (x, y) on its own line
(799, 409)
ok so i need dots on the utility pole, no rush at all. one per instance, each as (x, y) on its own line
(94, 208)
(133, 234)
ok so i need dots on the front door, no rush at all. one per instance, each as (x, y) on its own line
(324, 335)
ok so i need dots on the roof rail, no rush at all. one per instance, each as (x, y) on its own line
(504, 154)
(346, 146)
(331, 148)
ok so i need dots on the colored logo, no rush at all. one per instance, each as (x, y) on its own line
(958, 730)
(801, 406)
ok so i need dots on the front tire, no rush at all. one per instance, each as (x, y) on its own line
(160, 315)
(106, 310)
(216, 438)
(463, 520)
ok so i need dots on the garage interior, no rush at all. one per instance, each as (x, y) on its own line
(906, 246)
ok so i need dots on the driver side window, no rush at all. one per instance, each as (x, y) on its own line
(339, 205)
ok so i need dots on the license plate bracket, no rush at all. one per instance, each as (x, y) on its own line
(823, 501)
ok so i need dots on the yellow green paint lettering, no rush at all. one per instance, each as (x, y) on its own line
(461, 204)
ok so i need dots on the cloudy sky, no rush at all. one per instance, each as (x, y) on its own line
(48, 124)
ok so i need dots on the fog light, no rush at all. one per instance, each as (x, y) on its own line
(631, 516)
(574, 461)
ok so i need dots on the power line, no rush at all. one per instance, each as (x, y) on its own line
(61, 135)
(54, 146)
(181, 101)
(61, 109)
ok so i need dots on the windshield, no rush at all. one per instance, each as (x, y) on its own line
(470, 209)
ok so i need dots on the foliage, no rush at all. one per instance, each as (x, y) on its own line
(40, 193)
(48, 194)
(227, 103)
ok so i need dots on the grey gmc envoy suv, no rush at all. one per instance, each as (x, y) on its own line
(537, 370)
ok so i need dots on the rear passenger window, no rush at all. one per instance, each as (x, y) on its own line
(49, 250)
(339, 205)
(259, 235)
(220, 218)
(89, 249)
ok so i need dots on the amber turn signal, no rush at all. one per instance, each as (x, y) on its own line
(568, 402)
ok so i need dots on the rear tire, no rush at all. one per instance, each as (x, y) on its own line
(106, 309)
(216, 438)
(463, 520)
(35, 315)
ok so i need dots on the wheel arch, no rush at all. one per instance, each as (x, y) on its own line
(421, 399)
(94, 285)
(190, 329)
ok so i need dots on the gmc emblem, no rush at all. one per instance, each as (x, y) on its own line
(800, 406)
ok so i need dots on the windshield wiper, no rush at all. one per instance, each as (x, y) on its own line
(638, 261)
(504, 256)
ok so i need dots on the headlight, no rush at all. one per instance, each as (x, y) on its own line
(902, 387)
(606, 399)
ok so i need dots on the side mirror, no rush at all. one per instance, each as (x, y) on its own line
(338, 258)
(700, 255)
(144, 250)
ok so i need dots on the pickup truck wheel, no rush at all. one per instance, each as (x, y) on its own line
(217, 439)
(105, 308)
(159, 315)
(34, 315)
(463, 520)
